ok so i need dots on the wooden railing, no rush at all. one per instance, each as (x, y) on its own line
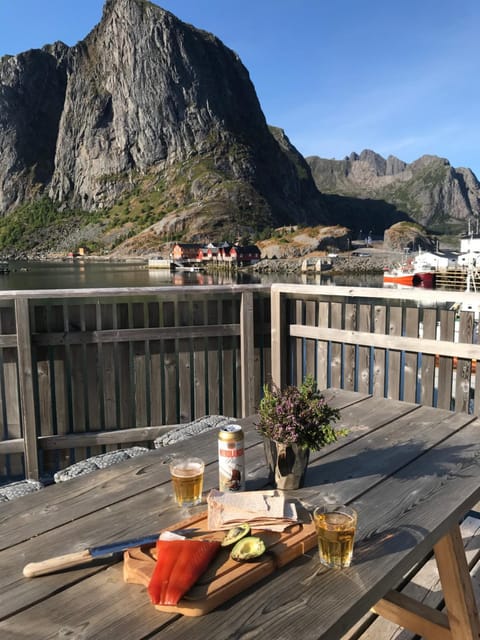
(84, 370)
(416, 346)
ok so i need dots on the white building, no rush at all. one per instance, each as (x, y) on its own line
(428, 260)
(470, 244)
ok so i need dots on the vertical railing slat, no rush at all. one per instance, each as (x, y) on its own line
(247, 354)
(412, 317)
(25, 382)
(279, 340)
(394, 373)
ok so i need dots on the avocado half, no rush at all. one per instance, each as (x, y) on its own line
(235, 534)
(248, 548)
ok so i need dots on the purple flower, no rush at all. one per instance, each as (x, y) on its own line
(298, 415)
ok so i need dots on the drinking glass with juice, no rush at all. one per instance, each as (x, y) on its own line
(335, 525)
(187, 480)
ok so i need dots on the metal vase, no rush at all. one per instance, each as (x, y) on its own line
(287, 464)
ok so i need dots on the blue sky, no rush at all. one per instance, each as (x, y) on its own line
(400, 78)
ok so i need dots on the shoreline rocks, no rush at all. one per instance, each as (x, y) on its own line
(340, 264)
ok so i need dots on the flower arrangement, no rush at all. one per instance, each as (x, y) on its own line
(298, 415)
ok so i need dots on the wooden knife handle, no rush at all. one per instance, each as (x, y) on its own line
(55, 564)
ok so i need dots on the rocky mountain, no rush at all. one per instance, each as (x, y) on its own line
(148, 125)
(429, 191)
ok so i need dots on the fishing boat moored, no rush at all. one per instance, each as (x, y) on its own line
(408, 275)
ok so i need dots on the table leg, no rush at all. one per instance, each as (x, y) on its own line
(457, 587)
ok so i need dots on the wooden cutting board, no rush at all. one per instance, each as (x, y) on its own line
(225, 578)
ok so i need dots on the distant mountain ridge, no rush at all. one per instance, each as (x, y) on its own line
(429, 190)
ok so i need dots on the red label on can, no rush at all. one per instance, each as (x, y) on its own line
(231, 465)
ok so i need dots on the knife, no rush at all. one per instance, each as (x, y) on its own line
(34, 569)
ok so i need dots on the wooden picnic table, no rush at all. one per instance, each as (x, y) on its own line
(412, 472)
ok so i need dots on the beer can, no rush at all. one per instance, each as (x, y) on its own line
(231, 458)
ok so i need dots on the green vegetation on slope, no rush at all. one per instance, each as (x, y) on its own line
(31, 223)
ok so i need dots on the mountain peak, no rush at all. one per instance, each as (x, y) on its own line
(146, 103)
(428, 190)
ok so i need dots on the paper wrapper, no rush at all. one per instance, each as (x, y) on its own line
(261, 509)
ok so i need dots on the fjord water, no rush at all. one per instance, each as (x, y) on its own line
(74, 274)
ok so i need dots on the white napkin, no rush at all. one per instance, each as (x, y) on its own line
(261, 509)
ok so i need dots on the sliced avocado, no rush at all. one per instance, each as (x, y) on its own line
(248, 548)
(235, 534)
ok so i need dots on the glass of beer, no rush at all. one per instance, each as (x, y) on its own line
(335, 525)
(187, 479)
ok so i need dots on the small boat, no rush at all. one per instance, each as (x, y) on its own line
(407, 274)
(411, 272)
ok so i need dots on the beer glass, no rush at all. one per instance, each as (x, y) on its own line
(335, 525)
(187, 480)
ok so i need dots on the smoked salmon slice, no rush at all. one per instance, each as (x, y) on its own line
(179, 565)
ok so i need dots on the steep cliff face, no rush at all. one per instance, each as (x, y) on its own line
(147, 96)
(32, 91)
(429, 190)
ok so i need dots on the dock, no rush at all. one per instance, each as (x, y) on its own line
(457, 279)
(160, 263)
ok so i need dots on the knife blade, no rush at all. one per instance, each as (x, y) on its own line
(76, 558)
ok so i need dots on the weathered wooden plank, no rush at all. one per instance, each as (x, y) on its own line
(379, 354)
(445, 367)
(262, 358)
(214, 363)
(309, 346)
(410, 372)
(415, 294)
(457, 586)
(323, 373)
(407, 612)
(394, 367)
(130, 335)
(25, 383)
(103, 622)
(349, 350)
(364, 359)
(124, 369)
(11, 407)
(295, 312)
(118, 293)
(336, 346)
(463, 372)
(101, 438)
(386, 341)
(200, 346)
(427, 381)
(8, 341)
(228, 375)
(11, 465)
(247, 355)
(185, 364)
(278, 340)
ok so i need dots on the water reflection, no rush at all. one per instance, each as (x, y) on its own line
(86, 274)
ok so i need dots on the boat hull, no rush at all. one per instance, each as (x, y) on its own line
(411, 279)
(406, 279)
